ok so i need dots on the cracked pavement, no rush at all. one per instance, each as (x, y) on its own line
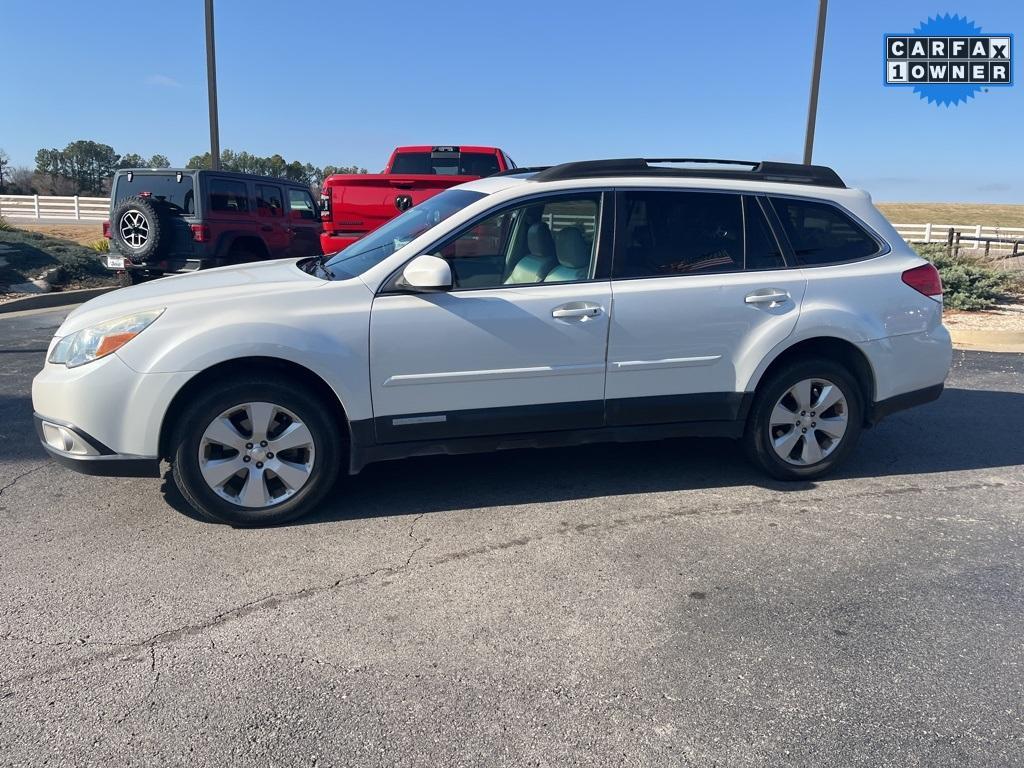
(639, 604)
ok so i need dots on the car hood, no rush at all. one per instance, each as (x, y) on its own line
(220, 285)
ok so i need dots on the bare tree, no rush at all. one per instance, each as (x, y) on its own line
(5, 162)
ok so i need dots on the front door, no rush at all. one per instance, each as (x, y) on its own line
(517, 345)
(304, 225)
(701, 295)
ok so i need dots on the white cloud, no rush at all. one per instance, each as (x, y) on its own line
(163, 81)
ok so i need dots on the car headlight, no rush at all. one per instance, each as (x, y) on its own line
(100, 340)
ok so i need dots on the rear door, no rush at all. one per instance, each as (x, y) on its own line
(273, 224)
(303, 224)
(701, 293)
(228, 210)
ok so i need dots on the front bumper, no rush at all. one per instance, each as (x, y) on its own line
(76, 449)
(110, 404)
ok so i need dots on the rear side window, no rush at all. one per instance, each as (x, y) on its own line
(228, 196)
(163, 187)
(269, 203)
(821, 233)
(762, 249)
(680, 233)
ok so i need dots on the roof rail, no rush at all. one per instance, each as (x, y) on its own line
(762, 170)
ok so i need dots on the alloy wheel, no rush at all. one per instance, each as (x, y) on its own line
(256, 454)
(808, 422)
(134, 228)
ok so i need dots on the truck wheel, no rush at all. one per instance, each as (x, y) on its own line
(805, 420)
(137, 229)
(256, 452)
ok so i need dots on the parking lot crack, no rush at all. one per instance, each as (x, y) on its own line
(23, 474)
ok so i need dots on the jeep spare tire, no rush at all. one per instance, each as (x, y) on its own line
(137, 229)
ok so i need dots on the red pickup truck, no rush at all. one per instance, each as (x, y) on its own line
(353, 205)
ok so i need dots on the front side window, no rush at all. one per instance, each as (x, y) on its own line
(228, 196)
(551, 240)
(680, 233)
(401, 230)
(821, 233)
(301, 204)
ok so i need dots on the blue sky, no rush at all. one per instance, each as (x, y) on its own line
(342, 83)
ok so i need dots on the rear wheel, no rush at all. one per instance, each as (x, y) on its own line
(805, 419)
(256, 453)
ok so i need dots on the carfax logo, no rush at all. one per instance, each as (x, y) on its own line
(948, 60)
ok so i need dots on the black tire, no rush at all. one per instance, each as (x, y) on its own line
(757, 438)
(240, 256)
(328, 446)
(154, 233)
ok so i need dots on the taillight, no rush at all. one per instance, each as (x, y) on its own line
(325, 207)
(106, 229)
(925, 279)
(200, 233)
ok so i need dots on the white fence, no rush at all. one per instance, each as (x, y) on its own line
(52, 208)
(972, 235)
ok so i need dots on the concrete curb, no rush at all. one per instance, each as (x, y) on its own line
(987, 341)
(54, 299)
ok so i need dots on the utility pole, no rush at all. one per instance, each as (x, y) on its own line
(812, 107)
(211, 81)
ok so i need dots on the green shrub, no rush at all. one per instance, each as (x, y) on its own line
(100, 246)
(4, 226)
(967, 283)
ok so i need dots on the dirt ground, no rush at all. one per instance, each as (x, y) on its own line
(83, 234)
(954, 213)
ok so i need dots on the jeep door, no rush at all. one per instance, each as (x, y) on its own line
(518, 342)
(701, 294)
(304, 224)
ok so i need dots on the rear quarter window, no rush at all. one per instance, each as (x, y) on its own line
(821, 233)
(228, 196)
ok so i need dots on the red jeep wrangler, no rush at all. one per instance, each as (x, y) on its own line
(354, 205)
(170, 220)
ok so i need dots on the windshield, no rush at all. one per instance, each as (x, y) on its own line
(381, 243)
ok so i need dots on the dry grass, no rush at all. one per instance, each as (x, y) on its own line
(954, 213)
(83, 234)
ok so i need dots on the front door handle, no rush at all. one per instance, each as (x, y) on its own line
(577, 309)
(773, 297)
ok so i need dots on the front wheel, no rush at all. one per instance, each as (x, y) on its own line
(805, 420)
(256, 453)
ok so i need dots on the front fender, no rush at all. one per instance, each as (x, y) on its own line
(331, 341)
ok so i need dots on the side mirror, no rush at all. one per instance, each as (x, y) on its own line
(428, 273)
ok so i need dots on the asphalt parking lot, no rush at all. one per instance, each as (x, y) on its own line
(654, 604)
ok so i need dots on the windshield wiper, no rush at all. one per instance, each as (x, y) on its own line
(319, 263)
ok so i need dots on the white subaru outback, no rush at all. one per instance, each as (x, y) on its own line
(601, 300)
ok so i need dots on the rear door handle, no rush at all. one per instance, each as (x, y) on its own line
(773, 297)
(577, 309)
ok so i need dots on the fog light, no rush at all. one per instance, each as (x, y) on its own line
(62, 439)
